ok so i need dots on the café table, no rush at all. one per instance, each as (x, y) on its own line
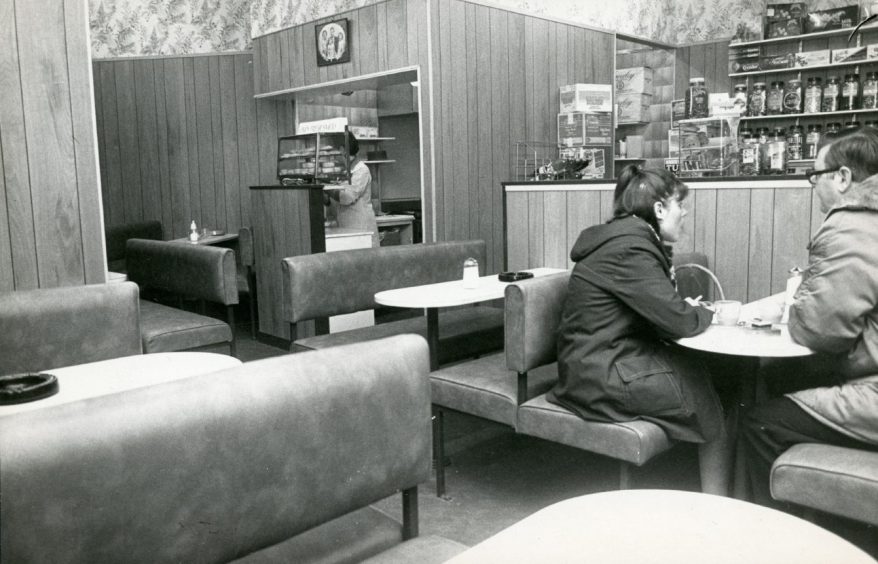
(208, 239)
(447, 294)
(749, 345)
(116, 375)
(662, 526)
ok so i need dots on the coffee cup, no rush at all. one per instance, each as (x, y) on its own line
(727, 312)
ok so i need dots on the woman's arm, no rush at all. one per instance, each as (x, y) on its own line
(361, 180)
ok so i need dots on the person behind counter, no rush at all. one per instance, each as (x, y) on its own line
(353, 202)
(614, 363)
(834, 312)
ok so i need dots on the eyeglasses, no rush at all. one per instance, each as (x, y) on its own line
(813, 175)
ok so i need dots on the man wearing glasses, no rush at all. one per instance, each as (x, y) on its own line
(835, 311)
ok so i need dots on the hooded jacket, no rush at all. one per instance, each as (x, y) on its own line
(835, 310)
(621, 305)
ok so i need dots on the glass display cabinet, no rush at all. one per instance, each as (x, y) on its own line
(319, 158)
(708, 147)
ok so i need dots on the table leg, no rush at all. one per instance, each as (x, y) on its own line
(433, 336)
(749, 376)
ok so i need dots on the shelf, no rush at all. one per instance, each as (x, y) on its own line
(629, 158)
(695, 121)
(806, 69)
(815, 114)
(367, 139)
(803, 36)
(624, 123)
(380, 162)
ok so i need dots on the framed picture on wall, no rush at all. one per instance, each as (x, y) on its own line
(333, 42)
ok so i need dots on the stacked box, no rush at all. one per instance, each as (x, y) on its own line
(811, 58)
(581, 128)
(634, 80)
(744, 59)
(849, 54)
(586, 98)
(633, 108)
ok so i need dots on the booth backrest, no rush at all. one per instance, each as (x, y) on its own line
(117, 236)
(533, 313)
(326, 284)
(214, 467)
(54, 327)
(195, 271)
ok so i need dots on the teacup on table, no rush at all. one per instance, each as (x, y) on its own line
(727, 312)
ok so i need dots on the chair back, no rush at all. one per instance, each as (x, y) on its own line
(246, 255)
(533, 314)
(202, 272)
(694, 278)
(117, 236)
(54, 327)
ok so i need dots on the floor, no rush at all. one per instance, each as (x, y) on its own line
(497, 477)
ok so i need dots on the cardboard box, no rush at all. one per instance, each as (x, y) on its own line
(744, 53)
(849, 54)
(634, 80)
(746, 32)
(678, 111)
(811, 58)
(836, 18)
(745, 65)
(773, 62)
(721, 104)
(363, 131)
(581, 128)
(872, 51)
(674, 143)
(634, 146)
(633, 108)
(586, 98)
(785, 28)
(775, 12)
(597, 157)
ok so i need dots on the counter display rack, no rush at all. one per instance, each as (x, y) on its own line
(708, 146)
(313, 158)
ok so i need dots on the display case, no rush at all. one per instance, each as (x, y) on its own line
(708, 147)
(321, 158)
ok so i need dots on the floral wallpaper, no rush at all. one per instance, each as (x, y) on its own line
(676, 22)
(122, 28)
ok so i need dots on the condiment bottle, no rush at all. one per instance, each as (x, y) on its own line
(812, 140)
(774, 104)
(813, 95)
(470, 273)
(831, 95)
(193, 232)
(792, 97)
(756, 101)
(793, 283)
(870, 91)
(795, 139)
(850, 93)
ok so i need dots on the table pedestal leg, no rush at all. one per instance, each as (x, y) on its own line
(433, 336)
(749, 375)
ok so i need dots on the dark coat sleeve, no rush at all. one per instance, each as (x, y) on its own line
(635, 275)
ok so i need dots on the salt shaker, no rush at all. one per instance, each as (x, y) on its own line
(193, 232)
(792, 285)
(470, 273)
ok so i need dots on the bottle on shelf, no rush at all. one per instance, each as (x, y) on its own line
(812, 139)
(833, 127)
(696, 98)
(850, 93)
(756, 103)
(740, 97)
(831, 94)
(776, 153)
(774, 100)
(870, 91)
(795, 140)
(792, 97)
(813, 95)
(870, 123)
(851, 125)
(748, 154)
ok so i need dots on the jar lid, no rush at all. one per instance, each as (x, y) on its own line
(699, 79)
(744, 86)
(851, 124)
(761, 83)
(797, 129)
(794, 81)
(761, 130)
(815, 127)
(746, 131)
(779, 129)
(814, 80)
(852, 77)
(872, 76)
(831, 78)
(777, 83)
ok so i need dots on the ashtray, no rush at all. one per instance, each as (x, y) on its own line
(22, 388)
(514, 276)
(216, 232)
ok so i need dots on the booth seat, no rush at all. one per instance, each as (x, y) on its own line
(838, 480)
(325, 284)
(198, 272)
(116, 238)
(54, 327)
(276, 460)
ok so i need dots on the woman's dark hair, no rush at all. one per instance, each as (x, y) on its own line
(353, 144)
(857, 150)
(638, 189)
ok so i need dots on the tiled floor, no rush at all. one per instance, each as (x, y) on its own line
(497, 477)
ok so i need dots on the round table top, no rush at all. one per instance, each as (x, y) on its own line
(662, 526)
(742, 340)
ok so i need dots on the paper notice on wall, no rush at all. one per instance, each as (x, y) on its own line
(332, 125)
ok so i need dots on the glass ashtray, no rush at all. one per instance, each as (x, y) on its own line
(22, 388)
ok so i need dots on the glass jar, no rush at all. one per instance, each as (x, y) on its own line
(812, 139)
(776, 152)
(870, 123)
(833, 128)
(756, 100)
(831, 94)
(774, 102)
(792, 97)
(697, 95)
(870, 91)
(748, 156)
(740, 98)
(851, 125)
(850, 93)
(813, 95)
(795, 141)
(762, 134)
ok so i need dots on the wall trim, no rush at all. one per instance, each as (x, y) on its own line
(182, 55)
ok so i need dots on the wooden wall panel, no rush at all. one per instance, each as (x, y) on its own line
(751, 237)
(49, 183)
(177, 140)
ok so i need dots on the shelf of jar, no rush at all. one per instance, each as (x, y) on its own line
(631, 123)
(805, 69)
(803, 36)
(814, 114)
(380, 162)
(629, 158)
(695, 121)
(367, 139)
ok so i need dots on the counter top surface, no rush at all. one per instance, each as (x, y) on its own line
(332, 232)
(393, 217)
(728, 182)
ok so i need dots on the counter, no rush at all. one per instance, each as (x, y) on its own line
(402, 221)
(752, 230)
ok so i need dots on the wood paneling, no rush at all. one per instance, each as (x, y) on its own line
(494, 80)
(177, 140)
(49, 182)
(751, 237)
